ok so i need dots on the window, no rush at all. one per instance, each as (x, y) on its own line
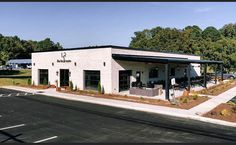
(92, 79)
(43, 76)
(172, 72)
(153, 73)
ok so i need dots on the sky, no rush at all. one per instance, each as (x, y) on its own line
(79, 24)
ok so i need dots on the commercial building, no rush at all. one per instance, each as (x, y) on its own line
(116, 68)
(19, 63)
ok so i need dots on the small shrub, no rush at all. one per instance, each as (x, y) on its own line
(71, 86)
(33, 83)
(99, 87)
(29, 81)
(195, 97)
(141, 98)
(13, 82)
(225, 112)
(186, 100)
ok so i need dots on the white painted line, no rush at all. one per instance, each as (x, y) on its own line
(1, 95)
(25, 94)
(10, 127)
(46, 139)
(9, 95)
(17, 94)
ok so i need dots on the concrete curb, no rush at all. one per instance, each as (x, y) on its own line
(127, 105)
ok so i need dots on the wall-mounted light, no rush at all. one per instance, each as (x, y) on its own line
(52, 64)
(57, 73)
(69, 74)
(104, 63)
(75, 63)
(33, 64)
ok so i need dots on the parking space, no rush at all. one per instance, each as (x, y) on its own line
(34, 118)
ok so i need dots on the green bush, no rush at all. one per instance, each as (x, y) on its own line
(195, 97)
(231, 103)
(29, 81)
(71, 85)
(185, 100)
(99, 87)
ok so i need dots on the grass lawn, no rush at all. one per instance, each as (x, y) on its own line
(13, 81)
(22, 72)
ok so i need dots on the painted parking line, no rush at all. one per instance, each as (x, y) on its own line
(46, 139)
(10, 127)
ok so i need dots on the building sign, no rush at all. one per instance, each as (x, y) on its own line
(63, 56)
(173, 81)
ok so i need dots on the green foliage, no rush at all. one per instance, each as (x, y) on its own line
(210, 43)
(185, 100)
(231, 103)
(71, 85)
(75, 88)
(195, 97)
(29, 82)
(14, 47)
(99, 87)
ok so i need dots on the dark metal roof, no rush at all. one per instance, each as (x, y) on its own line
(156, 59)
(114, 46)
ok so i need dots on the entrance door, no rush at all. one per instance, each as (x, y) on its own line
(64, 77)
(124, 80)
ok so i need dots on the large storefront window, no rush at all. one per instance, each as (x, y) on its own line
(92, 79)
(43, 76)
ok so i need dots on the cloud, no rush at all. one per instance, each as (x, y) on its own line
(202, 10)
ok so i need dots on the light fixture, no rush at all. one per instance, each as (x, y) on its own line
(57, 73)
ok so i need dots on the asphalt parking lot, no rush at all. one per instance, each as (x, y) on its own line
(31, 118)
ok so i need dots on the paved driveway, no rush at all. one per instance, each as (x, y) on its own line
(38, 118)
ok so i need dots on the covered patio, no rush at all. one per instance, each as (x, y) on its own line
(166, 61)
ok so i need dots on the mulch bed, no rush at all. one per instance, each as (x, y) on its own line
(36, 87)
(224, 112)
(185, 102)
(218, 89)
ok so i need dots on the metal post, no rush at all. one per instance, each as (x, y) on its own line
(216, 74)
(167, 81)
(221, 71)
(188, 75)
(205, 70)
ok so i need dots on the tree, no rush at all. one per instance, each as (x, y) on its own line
(212, 33)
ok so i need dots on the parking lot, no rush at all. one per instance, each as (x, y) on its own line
(34, 118)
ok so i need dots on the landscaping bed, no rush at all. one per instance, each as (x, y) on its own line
(185, 102)
(36, 87)
(218, 89)
(225, 111)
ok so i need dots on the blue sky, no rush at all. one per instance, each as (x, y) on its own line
(77, 24)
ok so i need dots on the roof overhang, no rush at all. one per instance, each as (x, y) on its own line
(157, 59)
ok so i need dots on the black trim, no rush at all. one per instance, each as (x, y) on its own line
(157, 59)
(114, 46)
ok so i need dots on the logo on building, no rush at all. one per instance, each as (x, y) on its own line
(63, 56)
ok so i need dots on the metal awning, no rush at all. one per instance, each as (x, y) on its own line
(159, 59)
(167, 61)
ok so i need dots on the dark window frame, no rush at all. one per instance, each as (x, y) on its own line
(43, 73)
(153, 73)
(92, 79)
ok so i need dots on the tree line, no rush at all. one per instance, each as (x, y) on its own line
(210, 43)
(12, 47)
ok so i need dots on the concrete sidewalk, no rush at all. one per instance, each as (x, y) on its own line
(189, 114)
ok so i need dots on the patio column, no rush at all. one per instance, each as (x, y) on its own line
(204, 81)
(216, 74)
(167, 81)
(221, 71)
(188, 75)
